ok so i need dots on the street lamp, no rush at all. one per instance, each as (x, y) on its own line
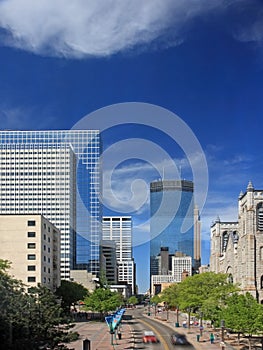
(149, 308)
(189, 315)
(201, 323)
(167, 311)
(222, 330)
(177, 316)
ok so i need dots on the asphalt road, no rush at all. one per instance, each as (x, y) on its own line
(141, 323)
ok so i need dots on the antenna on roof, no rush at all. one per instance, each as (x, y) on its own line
(180, 172)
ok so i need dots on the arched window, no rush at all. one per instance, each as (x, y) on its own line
(235, 237)
(230, 278)
(224, 240)
(261, 282)
(260, 217)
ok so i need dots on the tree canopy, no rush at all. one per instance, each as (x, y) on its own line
(133, 300)
(28, 320)
(243, 314)
(103, 300)
(70, 293)
(206, 292)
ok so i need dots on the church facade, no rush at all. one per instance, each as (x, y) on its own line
(237, 247)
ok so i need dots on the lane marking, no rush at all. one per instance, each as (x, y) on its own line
(163, 341)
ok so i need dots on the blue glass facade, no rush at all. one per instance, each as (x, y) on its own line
(172, 219)
(56, 173)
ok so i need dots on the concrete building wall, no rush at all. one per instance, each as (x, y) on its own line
(86, 279)
(32, 244)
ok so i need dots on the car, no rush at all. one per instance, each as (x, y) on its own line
(149, 337)
(179, 339)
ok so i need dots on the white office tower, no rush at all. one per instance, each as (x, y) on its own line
(119, 229)
(56, 174)
(181, 266)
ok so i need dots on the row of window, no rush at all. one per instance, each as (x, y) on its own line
(33, 279)
(33, 257)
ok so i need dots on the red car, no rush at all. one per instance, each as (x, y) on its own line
(149, 337)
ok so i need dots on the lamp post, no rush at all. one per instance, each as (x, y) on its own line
(177, 316)
(167, 312)
(149, 309)
(201, 323)
(189, 315)
(222, 330)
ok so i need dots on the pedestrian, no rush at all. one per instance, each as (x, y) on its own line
(212, 338)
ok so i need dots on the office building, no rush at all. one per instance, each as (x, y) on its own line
(172, 268)
(181, 267)
(237, 246)
(172, 221)
(108, 263)
(32, 244)
(57, 174)
(119, 230)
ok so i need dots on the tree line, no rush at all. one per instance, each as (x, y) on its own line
(213, 297)
(38, 318)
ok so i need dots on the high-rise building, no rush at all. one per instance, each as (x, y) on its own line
(172, 220)
(108, 262)
(171, 268)
(119, 229)
(56, 173)
(32, 244)
(181, 265)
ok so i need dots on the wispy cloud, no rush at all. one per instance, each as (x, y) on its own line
(16, 118)
(83, 28)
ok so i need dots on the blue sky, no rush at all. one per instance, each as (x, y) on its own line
(201, 60)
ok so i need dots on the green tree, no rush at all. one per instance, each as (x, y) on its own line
(155, 300)
(27, 320)
(133, 300)
(4, 265)
(243, 315)
(70, 293)
(103, 300)
(170, 295)
(206, 292)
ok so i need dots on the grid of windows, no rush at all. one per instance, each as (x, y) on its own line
(180, 265)
(119, 230)
(172, 218)
(54, 173)
(260, 217)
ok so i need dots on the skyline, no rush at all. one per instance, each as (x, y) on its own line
(201, 61)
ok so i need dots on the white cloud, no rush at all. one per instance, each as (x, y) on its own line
(97, 28)
(17, 117)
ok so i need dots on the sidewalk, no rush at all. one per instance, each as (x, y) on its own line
(192, 333)
(100, 338)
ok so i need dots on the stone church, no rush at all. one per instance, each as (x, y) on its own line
(237, 247)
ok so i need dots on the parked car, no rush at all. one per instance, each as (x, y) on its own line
(179, 339)
(149, 337)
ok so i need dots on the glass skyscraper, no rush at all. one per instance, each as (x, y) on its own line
(56, 173)
(172, 219)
